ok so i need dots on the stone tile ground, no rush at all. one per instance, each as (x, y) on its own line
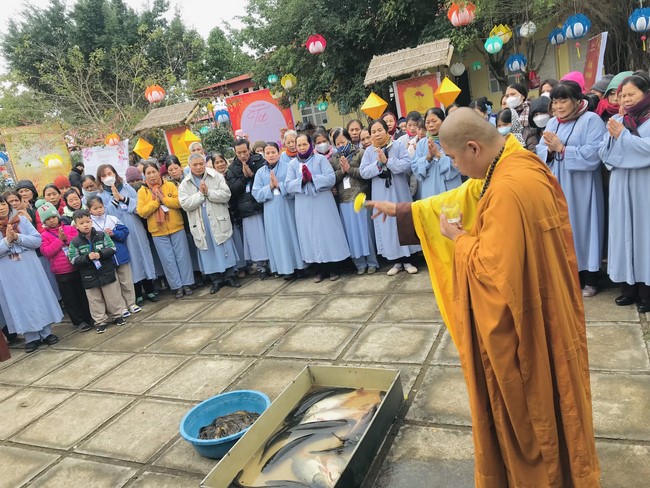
(103, 410)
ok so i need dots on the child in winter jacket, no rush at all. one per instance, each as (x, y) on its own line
(118, 232)
(56, 238)
(92, 252)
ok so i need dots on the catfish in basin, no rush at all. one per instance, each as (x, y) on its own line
(315, 397)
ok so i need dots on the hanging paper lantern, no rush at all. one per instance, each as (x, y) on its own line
(301, 104)
(639, 21)
(502, 31)
(461, 15)
(276, 94)
(447, 92)
(316, 44)
(322, 106)
(576, 26)
(143, 148)
(4, 158)
(112, 139)
(493, 45)
(154, 93)
(374, 106)
(556, 37)
(204, 130)
(53, 160)
(189, 137)
(516, 63)
(288, 82)
(527, 29)
(222, 116)
(457, 69)
(273, 79)
(476, 66)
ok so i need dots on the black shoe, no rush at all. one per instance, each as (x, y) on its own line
(623, 301)
(216, 286)
(101, 328)
(290, 277)
(152, 297)
(120, 321)
(643, 306)
(84, 327)
(264, 274)
(232, 282)
(32, 346)
(51, 340)
(179, 293)
(188, 291)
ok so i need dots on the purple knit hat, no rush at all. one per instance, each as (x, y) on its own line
(132, 174)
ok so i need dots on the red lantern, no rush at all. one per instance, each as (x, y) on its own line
(460, 15)
(316, 44)
(154, 93)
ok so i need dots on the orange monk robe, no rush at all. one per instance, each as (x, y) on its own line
(515, 312)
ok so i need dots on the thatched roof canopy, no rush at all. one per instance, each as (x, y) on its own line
(169, 116)
(410, 60)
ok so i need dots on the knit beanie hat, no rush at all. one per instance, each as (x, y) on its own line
(46, 211)
(132, 174)
(576, 76)
(39, 202)
(617, 80)
(602, 84)
(61, 182)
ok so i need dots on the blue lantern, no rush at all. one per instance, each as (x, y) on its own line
(221, 116)
(516, 63)
(4, 158)
(639, 21)
(322, 106)
(204, 130)
(556, 37)
(301, 104)
(493, 44)
(273, 79)
(576, 26)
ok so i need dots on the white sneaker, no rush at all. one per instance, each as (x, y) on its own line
(395, 269)
(126, 313)
(410, 269)
(134, 309)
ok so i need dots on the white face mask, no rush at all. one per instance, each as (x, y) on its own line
(541, 120)
(323, 147)
(513, 102)
(546, 94)
(109, 180)
(505, 130)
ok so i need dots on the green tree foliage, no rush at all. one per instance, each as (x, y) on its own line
(218, 139)
(355, 30)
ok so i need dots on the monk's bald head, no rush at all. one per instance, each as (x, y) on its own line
(470, 141)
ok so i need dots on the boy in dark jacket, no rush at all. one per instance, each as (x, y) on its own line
(92, 253)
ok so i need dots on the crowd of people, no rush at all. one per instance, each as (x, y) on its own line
(100, 245)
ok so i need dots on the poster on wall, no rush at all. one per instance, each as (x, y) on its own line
(595, 59)
(117, 156)
(258, 115)
(416, 94)
(175, 145)
(38, 153)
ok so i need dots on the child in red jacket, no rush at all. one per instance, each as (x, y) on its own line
(56, 239)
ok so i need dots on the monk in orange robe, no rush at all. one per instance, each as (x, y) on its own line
(511, 294)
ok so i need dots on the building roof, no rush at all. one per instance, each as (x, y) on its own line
(410, 60)
(232, 85)
(169, 116)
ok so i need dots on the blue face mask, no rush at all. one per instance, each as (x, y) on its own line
(504, 131)
(489, 110)
(345, 150)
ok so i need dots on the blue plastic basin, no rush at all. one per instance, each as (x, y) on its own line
(205, 412)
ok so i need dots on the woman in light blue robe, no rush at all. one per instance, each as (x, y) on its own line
(388, 164)
(142, 265)
(432, 167)
(310, 178)
(26, 297)
(626, 152)
(570, 147)
(279, 215)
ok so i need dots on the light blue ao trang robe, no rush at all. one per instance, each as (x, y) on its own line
(26, 297)
(320, 231)
(399, 162)
(628, 158)
(279, 220)
(581, 180)
(142, 265)
(434, 177)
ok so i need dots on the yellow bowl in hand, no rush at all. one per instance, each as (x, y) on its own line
(359, 202)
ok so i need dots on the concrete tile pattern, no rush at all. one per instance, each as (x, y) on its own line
(104, 410)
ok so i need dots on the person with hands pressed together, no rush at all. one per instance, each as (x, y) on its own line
(158, 203)
(204, 195)
(513, 308)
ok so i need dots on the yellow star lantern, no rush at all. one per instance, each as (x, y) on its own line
(502, 31)
(374, 106)
(53, 160)
(189, 137)
(447, 92)
(143, 148)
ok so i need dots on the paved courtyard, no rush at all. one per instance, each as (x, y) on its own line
(103, 410)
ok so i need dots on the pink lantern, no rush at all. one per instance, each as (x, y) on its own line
(316, 44)
(463, 14)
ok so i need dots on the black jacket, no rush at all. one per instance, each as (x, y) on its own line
(75, 177)
(91, 275)
(242, 202)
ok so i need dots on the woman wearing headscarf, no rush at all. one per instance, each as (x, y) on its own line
(609, 105)
(27, 301)
(570, 147)
(29, 195)
(387, 164)
(158, 203)
(432, 167)
(516, 98)
(538, 118)
(310, 178)
(626, 151)
(508, 123)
